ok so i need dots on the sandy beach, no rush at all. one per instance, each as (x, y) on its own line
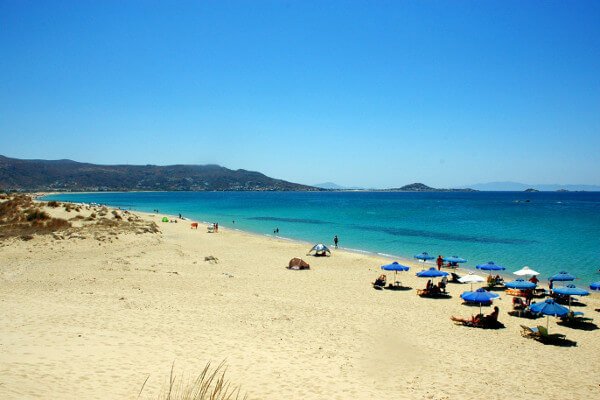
(93, 314)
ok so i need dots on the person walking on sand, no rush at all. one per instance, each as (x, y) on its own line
(335, 241)
(439, 262)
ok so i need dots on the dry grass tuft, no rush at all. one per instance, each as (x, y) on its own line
(210, 384)
(20, 217)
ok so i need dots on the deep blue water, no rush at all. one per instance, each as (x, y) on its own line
(551, 232)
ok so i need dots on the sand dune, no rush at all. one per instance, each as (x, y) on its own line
(90, 318)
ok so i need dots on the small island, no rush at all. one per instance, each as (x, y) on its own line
(421, 187)
(531, 190)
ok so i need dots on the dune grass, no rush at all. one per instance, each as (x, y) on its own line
(210, 384)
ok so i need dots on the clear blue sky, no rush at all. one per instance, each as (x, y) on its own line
(369, 93)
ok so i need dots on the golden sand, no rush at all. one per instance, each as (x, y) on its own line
(92, 315)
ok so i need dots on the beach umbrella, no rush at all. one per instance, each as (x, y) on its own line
(562, 276)
(479, 296)
(490, 266)
(431, 273)
(526, 271)
(424, 256)
(320, 249)
(571, 290)
(548, 308)
(395, 267)
(471, 278)
(595, 286)
(520, 284)
(454, 259)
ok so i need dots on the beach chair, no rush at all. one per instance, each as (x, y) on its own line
(540, 333)
(529, 332)
(434, 294)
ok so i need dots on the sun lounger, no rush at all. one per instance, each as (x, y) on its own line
(526, 313)
(540, 333)
(482, 322)
(434, 294)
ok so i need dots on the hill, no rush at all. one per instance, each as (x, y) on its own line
(420, 187)
(68, 175)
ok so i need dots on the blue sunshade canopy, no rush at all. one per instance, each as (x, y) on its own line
(490, 266)
(395, 267)
(571, 290)
(431, 273)
(562, 277)
(454, 259)
(479, 296)
(595, 286)
(549, 307)
(424, 256)
(520, 284)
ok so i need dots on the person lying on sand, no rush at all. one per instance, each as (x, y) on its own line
(479, 319)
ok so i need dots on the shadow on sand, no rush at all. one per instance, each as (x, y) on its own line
(398, 288)
(559, 343)
(580, 325)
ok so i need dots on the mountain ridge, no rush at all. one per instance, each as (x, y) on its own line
(69, 175)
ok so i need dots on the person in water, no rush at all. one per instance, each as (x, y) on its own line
(335, 241)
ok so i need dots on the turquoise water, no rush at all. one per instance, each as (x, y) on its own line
(551, 232)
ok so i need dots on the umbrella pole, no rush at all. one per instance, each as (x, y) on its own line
(547, 322)
(479, 308)
(569, 303)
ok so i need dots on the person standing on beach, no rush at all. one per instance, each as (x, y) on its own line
(439, 261)
(335, 241)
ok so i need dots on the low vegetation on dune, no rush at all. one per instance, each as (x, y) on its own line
(21, 217)
(210, 384)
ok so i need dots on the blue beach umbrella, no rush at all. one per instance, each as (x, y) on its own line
(520, 284)
(480, 296)
(454, 259)
(562, 276)
(595, 286)
(431, 273)
(424, 256)
(395, 267)
(490, 266)
(547, 308)
(571, 290)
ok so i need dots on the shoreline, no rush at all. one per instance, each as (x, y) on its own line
(94, 315)
(413, 263)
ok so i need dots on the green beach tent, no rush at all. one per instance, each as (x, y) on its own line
(165, 219)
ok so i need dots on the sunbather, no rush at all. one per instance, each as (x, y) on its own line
(518, 303)
(380, 281)
(480, 321)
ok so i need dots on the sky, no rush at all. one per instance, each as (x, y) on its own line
(361, 93)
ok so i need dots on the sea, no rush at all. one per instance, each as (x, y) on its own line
(547, 231)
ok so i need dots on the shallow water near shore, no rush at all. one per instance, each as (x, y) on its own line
(550, 232)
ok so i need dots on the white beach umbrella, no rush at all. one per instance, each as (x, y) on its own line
(526, 271)
(471, 278)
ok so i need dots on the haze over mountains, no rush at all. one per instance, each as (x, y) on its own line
(518, 187)
(68, 175)
(483, 187)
